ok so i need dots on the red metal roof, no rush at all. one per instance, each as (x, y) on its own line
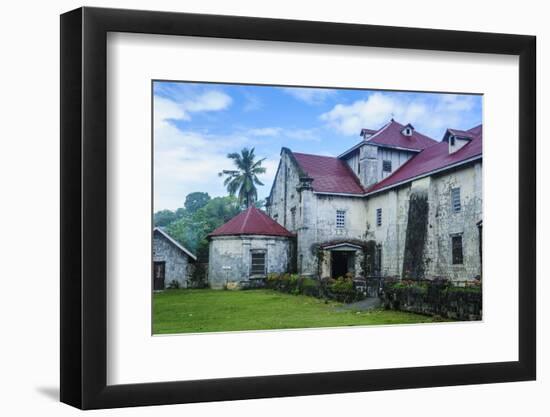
(434, 158)
(390, 135)
(459, 133)
(330, 175)
(251, 222)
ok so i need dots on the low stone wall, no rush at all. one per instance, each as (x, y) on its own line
(434, 298)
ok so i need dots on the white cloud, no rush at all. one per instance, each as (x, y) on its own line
(166, 109)
(252, 103)
(208, 101)
(270, 164)
(296, 134)
(310, 95)
(266, 131)
(187, 161)
(428, 116)
(303, 134)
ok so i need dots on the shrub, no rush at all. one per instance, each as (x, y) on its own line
(309, 287)
(173, 285)
(343, 290)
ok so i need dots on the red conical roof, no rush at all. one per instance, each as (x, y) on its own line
(251, 222)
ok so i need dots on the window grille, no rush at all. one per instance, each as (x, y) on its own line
(258, 263)
(379, 217)
(340, 219)
(457, 250)
(455, 199)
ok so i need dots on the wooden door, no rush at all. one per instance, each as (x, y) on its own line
(158, 275)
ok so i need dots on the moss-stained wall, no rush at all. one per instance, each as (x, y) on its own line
(178, 265)
(442, 223)
(230, 257)
(415, 236)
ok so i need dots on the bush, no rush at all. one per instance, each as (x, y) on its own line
(309, 287)
(173, 285)
(343, 290)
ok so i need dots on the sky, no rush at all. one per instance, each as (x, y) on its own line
(197, 124)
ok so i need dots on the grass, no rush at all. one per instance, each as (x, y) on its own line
(193, 311)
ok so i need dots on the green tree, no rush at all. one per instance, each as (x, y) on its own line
(192, 230)
(163, 218)
(195, 201)
(243, 180)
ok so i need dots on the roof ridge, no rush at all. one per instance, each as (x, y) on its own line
(246, 216)
(396, 171)
(380, 130)
(174, 241)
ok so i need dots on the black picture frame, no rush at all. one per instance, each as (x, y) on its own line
(84, 207)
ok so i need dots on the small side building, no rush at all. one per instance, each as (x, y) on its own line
(247, 248)
(171, 261)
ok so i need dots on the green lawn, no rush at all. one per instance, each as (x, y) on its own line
(191, 311)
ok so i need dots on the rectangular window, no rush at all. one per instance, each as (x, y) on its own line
(386, 166)
(340, 219)
(258, 263)
(378, 260)
(457, 250)
(379, 217)
(455, 199)
(293, 218)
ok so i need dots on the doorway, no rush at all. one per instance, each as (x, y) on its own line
(159, 269)
(342, 262)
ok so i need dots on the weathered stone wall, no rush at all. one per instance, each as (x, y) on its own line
(230, 257)
(314, 218)
(443, 223)
(435, 298)
(177, 265)
(319, 226)
(391, 234)
(366, 162)
(285, 197)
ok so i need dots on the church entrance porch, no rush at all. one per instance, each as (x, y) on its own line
(342, 262)
(340, 258)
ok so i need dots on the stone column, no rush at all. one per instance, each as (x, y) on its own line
(368, 161)
(308, 263)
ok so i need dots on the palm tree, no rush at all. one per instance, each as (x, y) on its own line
(244, 179)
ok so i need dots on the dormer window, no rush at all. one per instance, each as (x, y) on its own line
(456, 139)
(408, 130)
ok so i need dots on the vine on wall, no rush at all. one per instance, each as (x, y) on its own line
(415, 238)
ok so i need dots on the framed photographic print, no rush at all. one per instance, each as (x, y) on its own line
(257, 207)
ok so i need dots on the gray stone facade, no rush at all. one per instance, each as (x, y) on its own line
(230, 258)
(171, 260)
(312, 216)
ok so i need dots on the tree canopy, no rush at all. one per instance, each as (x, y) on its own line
(192, 229)
(196, 201)
(243, 180)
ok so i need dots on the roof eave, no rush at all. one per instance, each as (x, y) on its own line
(427, 174)
(176, 243)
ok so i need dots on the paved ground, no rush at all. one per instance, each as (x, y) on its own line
(368, 303)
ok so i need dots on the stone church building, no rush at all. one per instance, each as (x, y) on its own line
(398, 203)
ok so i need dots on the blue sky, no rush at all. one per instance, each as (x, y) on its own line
(197, 124)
